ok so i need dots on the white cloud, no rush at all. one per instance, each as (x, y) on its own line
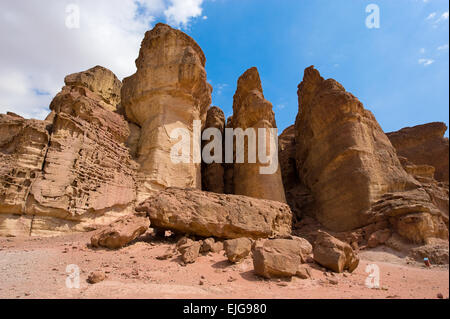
(443, 47)
(431, 16)
(426, 62)
(422, 51)
(218, 88)
(180, 12)
(38, 50)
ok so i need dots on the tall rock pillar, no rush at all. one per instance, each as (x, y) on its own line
(169, 91)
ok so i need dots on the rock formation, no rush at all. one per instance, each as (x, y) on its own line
(217, 215)
(298, 196)
(169, 91)
(77, 172)
(252, 111)
(121, 232)
(23, 147)
(237, 249)
(352, 169)
(424, 145)
(213, 173)
(334, 254)
(281, 258)
(88, 175)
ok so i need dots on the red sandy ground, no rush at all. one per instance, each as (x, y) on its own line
(36, 268)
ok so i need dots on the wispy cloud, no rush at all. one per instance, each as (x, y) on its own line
(426, 62)
(443, 47)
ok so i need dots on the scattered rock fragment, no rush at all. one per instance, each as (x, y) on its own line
(280, 258)
(96, 277)
(334, 254)
(190, 251)
(237, 249)
(121, 232)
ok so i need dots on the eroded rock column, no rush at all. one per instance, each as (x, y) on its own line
(169, 91)
(252, 111)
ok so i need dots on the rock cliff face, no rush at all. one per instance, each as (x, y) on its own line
(169, 91)
(424, 145)
(252, 111)
(23, 147)
(81, 174)
(343, 156)
(352, 170)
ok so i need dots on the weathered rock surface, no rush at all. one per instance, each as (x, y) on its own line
(23, 146)
(88, 176)
(237, 249)
(96, 277)
(217, 215)
(189, 250)
(334, 254)
(101, 81)
(252, 111)
(424, 145)
(436, 251)
(213, 173)
(71, 171)
(352, 169)
(281, 258)
(121, 232)
(379, 238)
(298, 196)
(169, 91)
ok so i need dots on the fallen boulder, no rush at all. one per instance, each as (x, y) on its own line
(334, 254)
(205, 214)
(237, 249)
(121, 232)
(189, 250)
(281, 258)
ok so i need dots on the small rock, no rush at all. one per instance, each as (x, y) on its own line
(96, 277)
(333, 281)
(238, 249)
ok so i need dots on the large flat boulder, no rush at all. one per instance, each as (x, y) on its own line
(217, 215)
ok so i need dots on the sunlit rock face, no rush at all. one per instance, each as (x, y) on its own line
(169, 91)
(73, 171)
(424, 145)
(348, 163)
(252, 111)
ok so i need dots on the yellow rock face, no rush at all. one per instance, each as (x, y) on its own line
(168, 91)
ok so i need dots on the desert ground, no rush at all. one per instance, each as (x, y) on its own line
(34, 268)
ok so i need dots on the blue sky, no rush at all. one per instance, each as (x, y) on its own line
(382, 67)
(399, 71)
